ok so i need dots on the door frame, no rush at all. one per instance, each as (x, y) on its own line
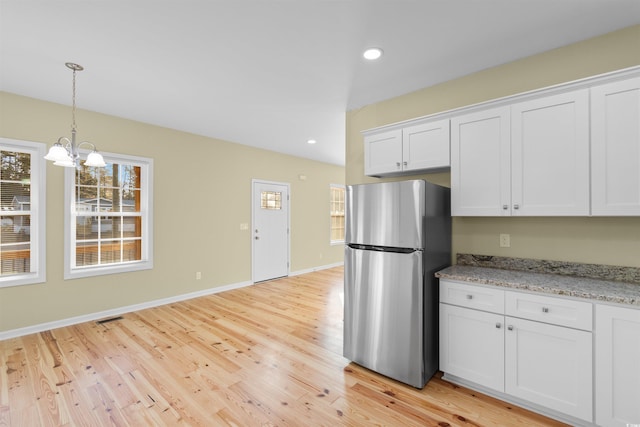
(254, 181)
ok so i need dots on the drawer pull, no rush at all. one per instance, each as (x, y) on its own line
(469, 296)
(545, 310)
(510, 327)
(498, 325)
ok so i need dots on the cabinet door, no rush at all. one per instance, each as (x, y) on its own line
(550, 155)
(615, 148)
(383, 153)
(472, 345)
(480, 164)
(617, 366)
(426, 146)
(550, 365)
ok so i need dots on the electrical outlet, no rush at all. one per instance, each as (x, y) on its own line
(505, 240)
(244, 226)
(198, 275)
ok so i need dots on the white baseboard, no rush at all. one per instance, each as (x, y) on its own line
(13, 333)
(311, 270)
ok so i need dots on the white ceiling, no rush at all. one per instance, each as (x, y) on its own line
(273, 73)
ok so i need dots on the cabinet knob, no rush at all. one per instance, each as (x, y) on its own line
(498, 325)
(510, 327)
(505, 207)
(469, 296)
(545, 310)
(404, 163)
(516, 206)
(398, 164)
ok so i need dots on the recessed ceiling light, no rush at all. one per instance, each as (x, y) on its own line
(372, 53)
(311, 141)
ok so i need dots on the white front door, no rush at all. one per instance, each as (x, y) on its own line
(270, 231)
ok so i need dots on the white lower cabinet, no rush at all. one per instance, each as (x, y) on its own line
(549, 365)
(471, 345)
(532, 358)
(617, 357)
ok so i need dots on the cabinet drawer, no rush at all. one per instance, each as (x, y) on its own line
(471, 296)
(556, 311)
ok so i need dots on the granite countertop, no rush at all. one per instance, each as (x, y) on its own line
(537, 280)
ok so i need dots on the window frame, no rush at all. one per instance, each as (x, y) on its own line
(331, 240)
(38, 232)
(71, 271)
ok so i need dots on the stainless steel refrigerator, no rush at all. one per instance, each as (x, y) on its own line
(398, 234)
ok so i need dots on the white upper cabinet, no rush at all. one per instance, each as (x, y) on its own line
(412, 148)
(550, 155)
(568, 150)
(481, 164)
(426, 146)
(383, 153)
(531, 158)
(615, 148)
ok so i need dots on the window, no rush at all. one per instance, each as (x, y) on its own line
(337, 213)
(271, 200)
(109, 217)
(22, 216)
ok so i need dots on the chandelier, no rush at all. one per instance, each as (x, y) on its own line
(67, 155)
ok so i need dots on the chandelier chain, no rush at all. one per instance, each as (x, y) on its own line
(73, 100)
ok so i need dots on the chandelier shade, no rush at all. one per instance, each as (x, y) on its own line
(95, 159)
(57, 153)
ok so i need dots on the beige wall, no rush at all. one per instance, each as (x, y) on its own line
(199, 206)
(613, 241)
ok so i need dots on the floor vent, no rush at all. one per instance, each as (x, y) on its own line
(111, 319)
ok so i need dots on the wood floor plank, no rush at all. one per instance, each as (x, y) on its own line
(265, 355)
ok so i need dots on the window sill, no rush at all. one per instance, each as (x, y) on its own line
(22, 279)
(78, 273)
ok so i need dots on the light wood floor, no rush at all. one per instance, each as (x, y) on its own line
(265, 355)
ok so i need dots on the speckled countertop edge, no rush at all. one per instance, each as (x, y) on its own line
(611, 273)
(579, 287)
